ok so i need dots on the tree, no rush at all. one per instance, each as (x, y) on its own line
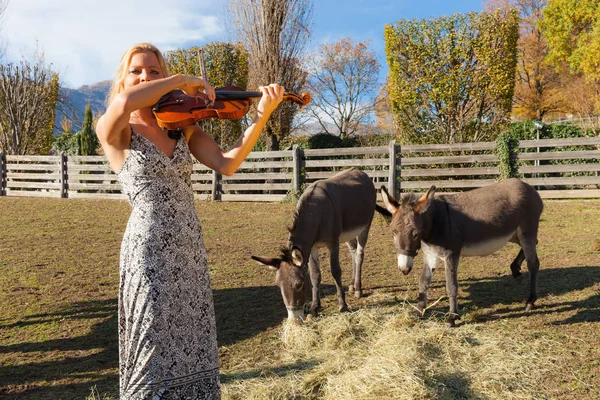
(88, 141)
(29, 93)
(3, 7)
(452, 78)
(342, 78)
(384, 117)
(226, 65)
(538, 85)
(275, 33)
(572, 29)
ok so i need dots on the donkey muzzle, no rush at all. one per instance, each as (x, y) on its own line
(405, 263)
(296, 313)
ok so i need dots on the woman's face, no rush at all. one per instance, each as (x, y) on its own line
(143, 67)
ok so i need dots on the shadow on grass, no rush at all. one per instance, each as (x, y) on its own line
(19, 379)
(451, 386)
(496, 296)
(244, 312)
(504, 290)
(241, 313)
(286, 370)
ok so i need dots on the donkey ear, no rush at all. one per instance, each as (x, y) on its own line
(421, 205)
(272, 263)
(297, 257)
(390, 203)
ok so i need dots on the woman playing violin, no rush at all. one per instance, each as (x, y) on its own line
(167, 331)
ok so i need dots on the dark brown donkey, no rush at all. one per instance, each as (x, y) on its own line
(474, 223)
(329, 212)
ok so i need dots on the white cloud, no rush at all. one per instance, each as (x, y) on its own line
(84, 39)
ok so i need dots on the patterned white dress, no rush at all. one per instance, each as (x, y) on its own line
(167, 330)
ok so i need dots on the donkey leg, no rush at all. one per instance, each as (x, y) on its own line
(314, 270)
(452, 287)
(358, 261)
(352, 247)
(533, 266)
(336, 272)
(515, 266)
(429, 265)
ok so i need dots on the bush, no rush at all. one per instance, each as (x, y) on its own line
(507, 148)
(66, 143)
(329, 141)
(525, 130)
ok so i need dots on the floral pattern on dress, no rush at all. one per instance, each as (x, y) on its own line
(167, 330)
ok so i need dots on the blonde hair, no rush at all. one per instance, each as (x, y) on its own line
(117, 84)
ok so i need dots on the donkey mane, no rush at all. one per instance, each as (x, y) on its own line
(299, 206)
(294, 225)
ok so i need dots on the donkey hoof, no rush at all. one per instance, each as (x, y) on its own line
(528, 307)
(344, 308)
(350, 288)
(358, 294)
(451, 321)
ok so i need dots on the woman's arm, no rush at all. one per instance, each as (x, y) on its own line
(206, 150)
(116, 118)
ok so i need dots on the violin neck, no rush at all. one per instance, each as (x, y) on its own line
(235, 95)
(226, 93)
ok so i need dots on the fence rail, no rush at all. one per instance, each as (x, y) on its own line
(558, 168)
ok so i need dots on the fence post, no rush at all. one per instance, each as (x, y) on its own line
(2, 174)
(392, 185)
(64, 177)
(216, 177)
(297, 169)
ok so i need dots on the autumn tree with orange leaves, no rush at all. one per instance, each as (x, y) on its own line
(572, 29)
(537, 84)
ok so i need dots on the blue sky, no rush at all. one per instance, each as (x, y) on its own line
(84, 39)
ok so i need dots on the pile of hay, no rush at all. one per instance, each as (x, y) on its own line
(385, 353)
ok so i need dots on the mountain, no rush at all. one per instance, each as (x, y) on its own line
(95, 94)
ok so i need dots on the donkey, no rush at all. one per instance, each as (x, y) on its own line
(474, 223)
(329, 212)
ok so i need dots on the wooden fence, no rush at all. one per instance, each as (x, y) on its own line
(558, 168)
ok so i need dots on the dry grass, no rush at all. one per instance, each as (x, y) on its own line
(386, 352)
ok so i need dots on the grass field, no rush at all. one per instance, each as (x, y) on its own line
(58, 312)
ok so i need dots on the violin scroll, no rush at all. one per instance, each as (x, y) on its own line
(301, 100)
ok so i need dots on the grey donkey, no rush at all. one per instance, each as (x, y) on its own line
(474, 223)
(329, 212)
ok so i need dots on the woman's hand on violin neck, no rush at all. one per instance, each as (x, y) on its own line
(193, 85)
(272, 95)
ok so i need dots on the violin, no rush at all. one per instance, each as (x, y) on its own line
(176, 110)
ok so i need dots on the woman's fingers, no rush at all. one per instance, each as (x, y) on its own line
(194, 85)
(274, 91)
(210, 91)
(272, 95)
